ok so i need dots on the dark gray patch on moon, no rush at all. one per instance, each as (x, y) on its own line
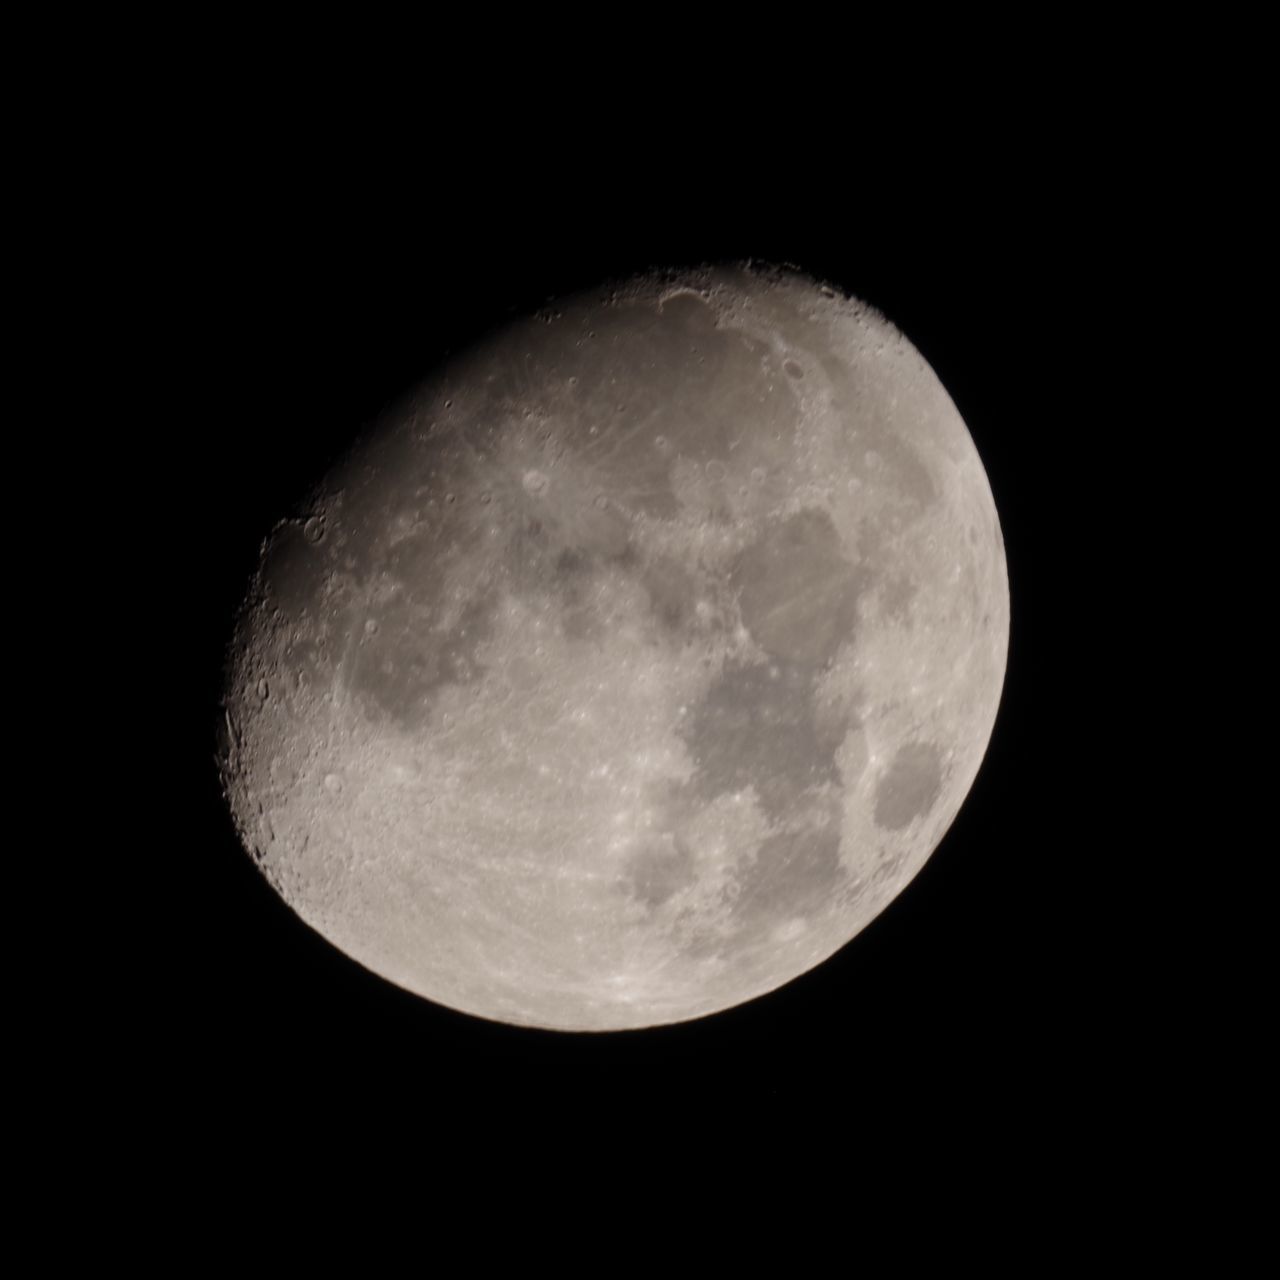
(399, 669)
(757, 726)
(572, 580)
(572, 570)
(659, 870)
(527, 551)
(896, 597)
(910, 786)
(793, 873)
(293, 571)
(797, 592)
(633, 428)
(886, 870)
(672, 591)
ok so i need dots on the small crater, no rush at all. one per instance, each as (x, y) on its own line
(793, 370)
(536, 483)
(313, 530)
(332, 783)
(264, 690)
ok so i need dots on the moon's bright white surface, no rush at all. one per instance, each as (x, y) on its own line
(634, 665)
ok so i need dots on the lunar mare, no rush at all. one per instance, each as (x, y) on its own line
(633, 664)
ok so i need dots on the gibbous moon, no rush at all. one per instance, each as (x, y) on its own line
(634, 664)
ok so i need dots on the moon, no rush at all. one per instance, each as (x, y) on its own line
(633, 663)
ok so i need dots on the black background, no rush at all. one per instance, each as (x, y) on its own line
(312, 292)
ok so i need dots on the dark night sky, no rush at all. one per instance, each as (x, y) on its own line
(316, 292)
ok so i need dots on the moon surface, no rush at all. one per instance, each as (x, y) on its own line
(633, 664)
